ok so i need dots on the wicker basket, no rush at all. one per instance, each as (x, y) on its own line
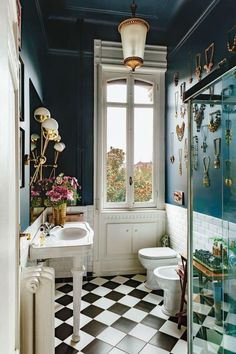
(59, 214)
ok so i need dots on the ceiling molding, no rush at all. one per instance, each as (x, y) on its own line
(194, 27)
(70, 53)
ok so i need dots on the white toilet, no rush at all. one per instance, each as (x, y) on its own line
(154, 257)
(168, 280)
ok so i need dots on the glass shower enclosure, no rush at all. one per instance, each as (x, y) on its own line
(212, 217)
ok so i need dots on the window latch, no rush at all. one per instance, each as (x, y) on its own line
(130, 181)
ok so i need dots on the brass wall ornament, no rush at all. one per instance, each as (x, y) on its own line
(217, 151)
(198, 67)
(204, 133)
(182, 89)
(172, 157)
(198, 115)
(228, 131)
(194, 148)
(182, 110)
(228, 178)
(180, 161)
(180, 131)
(176, 78)
(215, 121)
(176, 103)
(209, 55)
(186, 152)
(206, 164)
(231, 43)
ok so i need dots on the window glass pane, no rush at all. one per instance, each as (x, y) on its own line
(117, 91)
(116, 155)
(143, 92)
(143, 154)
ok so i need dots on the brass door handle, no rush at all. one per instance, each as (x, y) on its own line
(130, 181)
(25, 234)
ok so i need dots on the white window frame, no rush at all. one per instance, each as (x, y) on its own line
(108, 65)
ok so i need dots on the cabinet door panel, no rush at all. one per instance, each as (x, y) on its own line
(144, 235)
(119, 239)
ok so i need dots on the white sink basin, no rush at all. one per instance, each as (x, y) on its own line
(74, 239)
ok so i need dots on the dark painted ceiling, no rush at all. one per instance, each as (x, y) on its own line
(72, 25)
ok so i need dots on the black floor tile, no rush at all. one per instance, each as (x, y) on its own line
(90, 297)
(185, 336)
(210, 335)
(90, 286)
(132, 283)
(63, 331)
(94, 328)
(63, 348)
(158, 292)
(138, 293)
(198, 318)
(65, 300)
(119, 309)
(92, 311)
(153, 321)
(67, 288)
(114, 295)
(131, 345)
(144, 306)
(64, 314)
(164, 341)
(111, 285)
(124, 324)
(97, 347)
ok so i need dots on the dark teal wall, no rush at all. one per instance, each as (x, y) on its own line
(33, 55)
(213, 28)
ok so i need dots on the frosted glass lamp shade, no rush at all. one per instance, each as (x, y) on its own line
(41, 114)
(133, 33)
(34, 137)
(59, 147)
(32, 146)
(50, 124)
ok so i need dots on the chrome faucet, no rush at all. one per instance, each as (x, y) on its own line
(47, 228)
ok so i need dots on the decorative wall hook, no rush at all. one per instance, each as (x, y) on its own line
(204, 133)
(180, 131)
(199, 115)
(209, 55)
(206, 164)
(217, 151)
(215, 121)
(182, 89)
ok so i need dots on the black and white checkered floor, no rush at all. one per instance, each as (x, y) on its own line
(118, 315)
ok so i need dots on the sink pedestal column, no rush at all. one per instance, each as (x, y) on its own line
(77, 272)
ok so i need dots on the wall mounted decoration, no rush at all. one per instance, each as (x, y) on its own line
(21, 90)
(231, 43)
(228, 179)
(228, 131)
(180, 131)
(22, 158)
(198, 67)
(211, 93)
(215, 121)
(198, 115)
(172, 157)
(209, 56)
(217, 151)
(178, 197)
(182, 89)
(194, 148)
(176, 103)
(176, 78)
(186, 152)
(204, 133)
(182, 110)
(190, 63)
(206, 164)
(180, 161)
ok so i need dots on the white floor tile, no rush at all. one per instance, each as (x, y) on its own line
(201, 308)
(85, 339)
(151, 349)
(101, 291)
(143, 288)
(153, 298)
(59, 285)
(209, 322)
(195, 328)
(229, 342)
(111, 336)
(157, 311)
(84, 292)
(231, 318)
(116, 351)
(99, 281)
(135, 315)
(201, 346)
(171, 329)
(58, 307)
(58, 294)
(57, 322)
(129, 300)
(119, 279)
(124, 289)
(104, 303)
(180, 347)
(140, 277)
(57, 341)
(143, 332)
(107, 317)
(83, 305)
(84, 320)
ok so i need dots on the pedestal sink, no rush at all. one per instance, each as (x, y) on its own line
(74, 240)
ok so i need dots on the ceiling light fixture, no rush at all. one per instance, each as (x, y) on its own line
(133, 33)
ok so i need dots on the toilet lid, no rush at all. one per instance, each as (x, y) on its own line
(157, 252)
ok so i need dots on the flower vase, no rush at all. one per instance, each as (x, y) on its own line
(59, 214)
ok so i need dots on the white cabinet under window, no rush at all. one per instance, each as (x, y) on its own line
(129, 238)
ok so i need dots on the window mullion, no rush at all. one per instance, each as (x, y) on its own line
(130, 142)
